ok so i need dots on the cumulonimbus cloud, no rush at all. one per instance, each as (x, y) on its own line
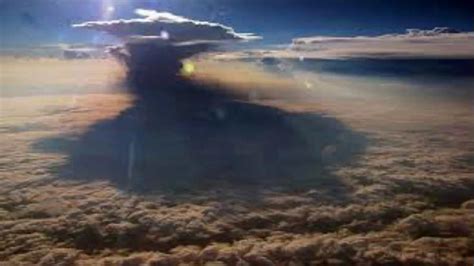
(440, 42)
(158, 42)
(167, 26)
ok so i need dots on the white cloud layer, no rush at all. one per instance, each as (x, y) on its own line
(167, 26)
(440, 42)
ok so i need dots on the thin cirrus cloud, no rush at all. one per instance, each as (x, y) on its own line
(167, 26)
(440, 42)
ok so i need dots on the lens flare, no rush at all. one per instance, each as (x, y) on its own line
(108, 9)
(188, 68)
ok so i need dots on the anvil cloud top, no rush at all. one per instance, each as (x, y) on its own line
(167, 26)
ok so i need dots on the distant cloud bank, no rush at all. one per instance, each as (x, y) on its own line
(440, 42)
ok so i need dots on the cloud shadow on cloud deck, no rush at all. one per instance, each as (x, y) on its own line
(179, 136)
(189, 137)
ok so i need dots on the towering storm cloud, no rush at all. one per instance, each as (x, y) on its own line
(155, 44)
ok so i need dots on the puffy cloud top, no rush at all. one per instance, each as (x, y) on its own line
(167, 26)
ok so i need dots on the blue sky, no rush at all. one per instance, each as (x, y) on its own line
(47, 21)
